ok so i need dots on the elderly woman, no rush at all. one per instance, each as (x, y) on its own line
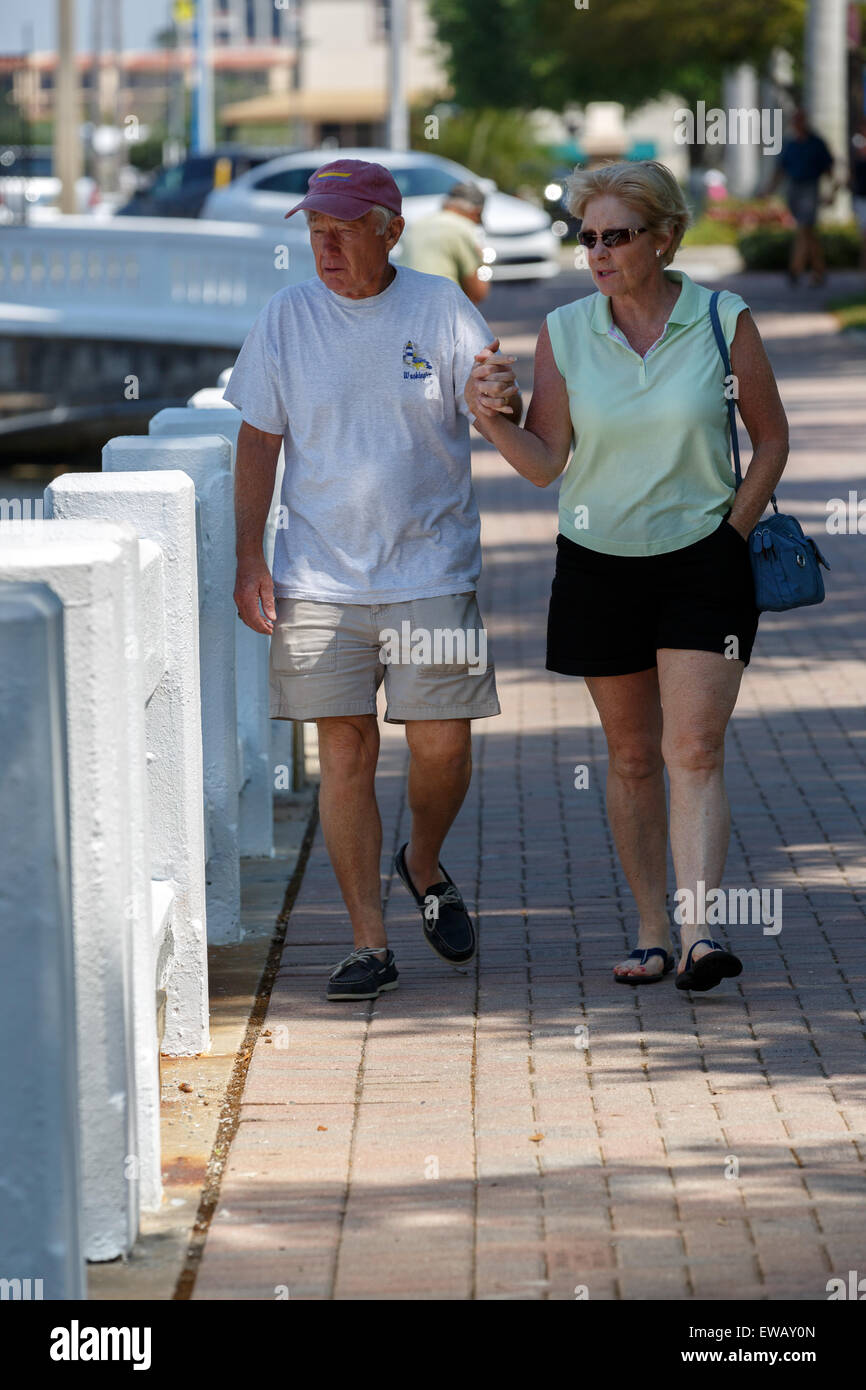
(652, 600)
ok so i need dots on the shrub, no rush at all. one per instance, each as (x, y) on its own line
(710, 232)
(749, 214)
(850, 312)
(768, 248)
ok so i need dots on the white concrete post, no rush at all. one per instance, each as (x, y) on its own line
(207, 461)
(210, 398)
(160, 506)
(286, 744)
(256, 826)
(742, 158)
(40, 1164)
(88, 564)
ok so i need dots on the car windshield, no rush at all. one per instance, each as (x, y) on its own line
(286, 180)
(413, 180)
(422, 180)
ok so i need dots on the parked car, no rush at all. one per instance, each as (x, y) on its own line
(555, 195)
(179, 190)
(515, 230)
(28, 182)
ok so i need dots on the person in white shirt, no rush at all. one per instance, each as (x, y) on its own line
(358, 374)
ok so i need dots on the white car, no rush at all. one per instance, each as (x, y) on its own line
(29, 185)
(518, 232)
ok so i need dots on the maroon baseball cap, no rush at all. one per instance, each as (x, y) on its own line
(348, 188)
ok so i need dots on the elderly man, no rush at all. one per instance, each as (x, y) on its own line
(359, 374)
(446, 242)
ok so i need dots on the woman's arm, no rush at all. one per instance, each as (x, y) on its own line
(764, 416)
(539, 451)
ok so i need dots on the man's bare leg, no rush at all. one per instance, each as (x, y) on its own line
(351, 825)
(440, 769)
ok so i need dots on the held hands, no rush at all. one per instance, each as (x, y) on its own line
(491, 383)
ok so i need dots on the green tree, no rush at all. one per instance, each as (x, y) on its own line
(531, 53)
(495, 144)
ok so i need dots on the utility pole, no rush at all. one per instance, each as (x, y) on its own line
(182, 16)
(95, 62)
(297, 131)
(398, 122)
(67, 138)
(24, 109)
(117, 59)
(202, 112)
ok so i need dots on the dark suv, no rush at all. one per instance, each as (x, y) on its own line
(179, 190)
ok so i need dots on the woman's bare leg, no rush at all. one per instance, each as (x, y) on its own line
(631, 716)
(698, 693)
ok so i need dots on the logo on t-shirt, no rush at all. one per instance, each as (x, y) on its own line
(415, 365)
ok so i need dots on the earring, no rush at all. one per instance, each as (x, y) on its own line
(658, 253)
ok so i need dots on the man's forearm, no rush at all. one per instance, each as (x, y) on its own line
(255, 474)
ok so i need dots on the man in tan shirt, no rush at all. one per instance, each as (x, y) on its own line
(446, 243)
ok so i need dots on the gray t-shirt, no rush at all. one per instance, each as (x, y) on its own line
(377, 502)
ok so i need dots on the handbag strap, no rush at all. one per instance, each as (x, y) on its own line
(732, 409)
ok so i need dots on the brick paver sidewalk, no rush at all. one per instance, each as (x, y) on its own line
(527, 1128)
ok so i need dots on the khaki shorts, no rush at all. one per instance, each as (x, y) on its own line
(329, 659)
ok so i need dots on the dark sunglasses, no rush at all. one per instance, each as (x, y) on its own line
(612, 236)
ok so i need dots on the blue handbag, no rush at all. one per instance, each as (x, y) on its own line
(786, 563)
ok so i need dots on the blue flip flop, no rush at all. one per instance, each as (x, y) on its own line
(643, 956)
(717, 965)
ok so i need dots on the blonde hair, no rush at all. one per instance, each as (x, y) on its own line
(646, 186)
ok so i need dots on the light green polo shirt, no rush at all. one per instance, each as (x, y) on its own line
(445, 243)
(651, 465)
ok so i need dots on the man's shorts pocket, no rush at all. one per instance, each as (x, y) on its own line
(448, 634)
(304, 638)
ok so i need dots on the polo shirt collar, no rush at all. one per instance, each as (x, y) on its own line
(686, 310)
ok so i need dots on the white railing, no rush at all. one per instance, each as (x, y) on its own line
(145, 279)
(162, 697)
